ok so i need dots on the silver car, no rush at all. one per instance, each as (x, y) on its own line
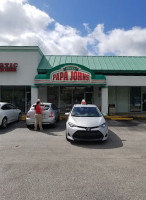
(86, 123)
(50, 114)
(8, 113)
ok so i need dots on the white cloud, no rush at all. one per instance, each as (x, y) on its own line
(24, 24)
(17, 17)
(120, 42)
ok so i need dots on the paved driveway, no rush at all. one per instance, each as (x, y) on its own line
(44, 166)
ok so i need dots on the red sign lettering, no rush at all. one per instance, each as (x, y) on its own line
(70, 76)
(65, 76)
(8, 67)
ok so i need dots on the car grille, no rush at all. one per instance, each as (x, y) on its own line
(86, 135)
(87, 127)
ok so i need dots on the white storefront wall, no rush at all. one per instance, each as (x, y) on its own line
(28, 59)
(119, 90)
(126, 80)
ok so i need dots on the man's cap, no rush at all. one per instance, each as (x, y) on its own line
(83, 101)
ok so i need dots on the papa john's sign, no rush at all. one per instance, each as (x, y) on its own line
(69, 74)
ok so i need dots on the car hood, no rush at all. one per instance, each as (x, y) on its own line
(87, 121)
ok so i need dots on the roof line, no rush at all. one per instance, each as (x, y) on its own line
(97, 56)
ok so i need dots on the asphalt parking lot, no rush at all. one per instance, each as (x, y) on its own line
(38, 165)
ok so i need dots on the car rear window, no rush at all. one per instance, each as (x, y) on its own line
(85, 112)
(42, 106)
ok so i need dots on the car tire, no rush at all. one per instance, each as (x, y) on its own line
(19, 117)
(4, 122)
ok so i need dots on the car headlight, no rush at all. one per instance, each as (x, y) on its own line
(103, 125)
(71, 124)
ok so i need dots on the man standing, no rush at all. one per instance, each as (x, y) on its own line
(38, 115)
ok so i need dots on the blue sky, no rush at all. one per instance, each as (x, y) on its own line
(77, 27)
(113, 14)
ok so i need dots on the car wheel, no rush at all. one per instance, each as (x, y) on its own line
(4, 122)
(19, 117)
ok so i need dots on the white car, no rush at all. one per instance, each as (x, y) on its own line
(50, 114)
(86, 123)
(8, 113)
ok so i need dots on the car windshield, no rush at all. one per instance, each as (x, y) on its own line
(85, 112)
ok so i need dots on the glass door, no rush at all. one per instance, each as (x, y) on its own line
(73, 95)
(66, 95)
(78, 95)
(70, 96)
(28, 101)
(135, 99)
(88, 97)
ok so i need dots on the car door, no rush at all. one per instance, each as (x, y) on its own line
(8, 112)
(12, 112)
(15, 112)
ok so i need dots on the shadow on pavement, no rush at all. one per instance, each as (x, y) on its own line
(51, 130)
(12, 126)
(112, 142)
(121, 123)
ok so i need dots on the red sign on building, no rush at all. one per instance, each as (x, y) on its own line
(70, 73)
(8, 67)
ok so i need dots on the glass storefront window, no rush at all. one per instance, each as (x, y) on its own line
(7, 94)
(17, 95)
(135, 99)
(66, 99)
(66, 96)
(78, 95)
(53, 94)
(74, 95)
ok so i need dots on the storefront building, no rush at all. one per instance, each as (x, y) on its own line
(18, 67)
(115, 84)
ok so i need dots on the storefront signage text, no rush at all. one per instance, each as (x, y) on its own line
(70, 73)
(8, 67)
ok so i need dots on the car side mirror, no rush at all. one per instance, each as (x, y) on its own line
(104, 114)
